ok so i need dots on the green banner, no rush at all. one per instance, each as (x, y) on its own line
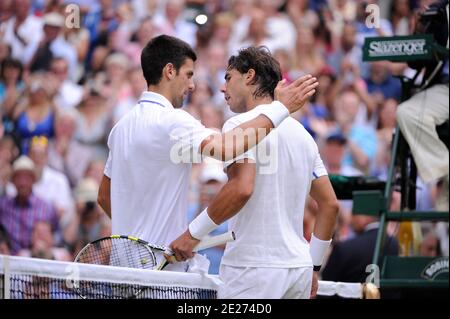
(398, 48)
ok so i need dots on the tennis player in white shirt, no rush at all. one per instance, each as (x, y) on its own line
(270, 257)
(145, 184)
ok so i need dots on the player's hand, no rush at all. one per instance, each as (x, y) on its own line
(295, 95)
(315, 284)
(183, 247)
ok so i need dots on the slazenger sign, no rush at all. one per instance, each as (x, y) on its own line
(399, 48)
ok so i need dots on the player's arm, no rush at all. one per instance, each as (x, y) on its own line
(289, 99)
(328, 208)
(227, 203)
(104, 195)
(236, 192)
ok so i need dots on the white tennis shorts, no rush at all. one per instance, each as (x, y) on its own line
(265, 283)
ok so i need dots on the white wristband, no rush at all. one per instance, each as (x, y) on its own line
(202, 225)
(318, 248)
(275, 111)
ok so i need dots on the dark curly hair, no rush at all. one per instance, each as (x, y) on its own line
(267, 69)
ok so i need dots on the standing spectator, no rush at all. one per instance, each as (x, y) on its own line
(401, 17)
(22, 32)
(258, 33)
(51, 185)
(65, 153)
(348, 50)
(362, 141)
(68, 93)
(145, 32)
(93, 124)
(279, 26)
(36, 115)
(171, 22)
(137, 84)
(307, 59)
(52, 44)
(11, 85)
(386, 126)
(341, 11)
(114, 84)
(301, 14)
(78, 38)
(100, 22)
(19, 214)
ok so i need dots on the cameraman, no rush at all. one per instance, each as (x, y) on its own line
(418, 116)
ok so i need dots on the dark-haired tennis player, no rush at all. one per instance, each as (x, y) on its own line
(145, 183)
(268, 186)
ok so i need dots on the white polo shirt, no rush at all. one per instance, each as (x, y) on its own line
(269, 228)
(149, 185)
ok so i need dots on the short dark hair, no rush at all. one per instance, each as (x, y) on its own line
(267, 68)
(161, 50)
(11, 63)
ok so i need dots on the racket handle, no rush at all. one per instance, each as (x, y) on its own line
(212, 241)
(206, 242)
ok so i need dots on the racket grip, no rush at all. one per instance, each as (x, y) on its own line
(212, 241)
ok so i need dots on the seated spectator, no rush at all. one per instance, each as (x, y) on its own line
(333, 150)
(381, 83)
(5, 245)
(348, 259)
(429, 247)
(8, 152)
(19, 214)
(211, 179)
(42, 244)
(92, 223)
(95, 170)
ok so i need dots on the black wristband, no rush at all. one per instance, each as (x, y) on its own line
(317, 268)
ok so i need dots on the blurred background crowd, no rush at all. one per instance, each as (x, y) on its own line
(62, 88)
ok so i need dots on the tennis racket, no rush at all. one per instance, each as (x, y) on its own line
(131, 252)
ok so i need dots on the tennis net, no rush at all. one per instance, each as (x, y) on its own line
(29, 278)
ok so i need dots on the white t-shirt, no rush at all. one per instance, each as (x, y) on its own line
(269, 228)
(149, 182)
